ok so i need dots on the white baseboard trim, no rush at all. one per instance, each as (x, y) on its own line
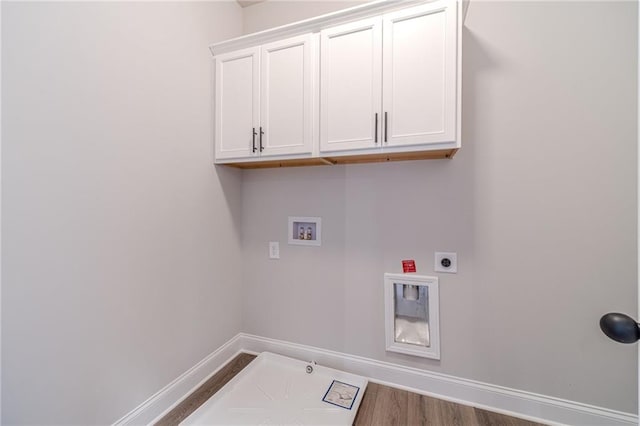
(163, 401)
(513, 402)
(517, 403)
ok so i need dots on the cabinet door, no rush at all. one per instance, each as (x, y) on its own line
(236, 103)
(420, 79)
(350, 84)
(286, 97)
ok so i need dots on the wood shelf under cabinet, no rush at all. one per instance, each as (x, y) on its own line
(349, 159)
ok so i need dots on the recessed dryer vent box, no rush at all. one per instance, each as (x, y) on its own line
(412, 323)
(305, 230)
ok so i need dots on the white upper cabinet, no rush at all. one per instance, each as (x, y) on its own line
(264, 100)
(236, 103)
(350, 79)
(390, 81)
(377, 82)
(286, 97)
(419, 75)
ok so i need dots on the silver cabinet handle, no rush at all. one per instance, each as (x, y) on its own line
(376, 137)
(253, 140)
(385, 126)
(261, 133)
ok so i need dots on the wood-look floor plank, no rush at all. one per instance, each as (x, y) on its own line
(457, 414)
(391, 407)
(417, 413)
(204, 392)
(490, 418)
(364, 416)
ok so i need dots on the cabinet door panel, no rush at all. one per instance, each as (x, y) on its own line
(237, 108)
(350, 82)
(419, 94)
(286, 101)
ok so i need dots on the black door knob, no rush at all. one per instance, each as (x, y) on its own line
(620, 327)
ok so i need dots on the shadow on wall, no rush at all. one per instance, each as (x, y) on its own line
(231, 184)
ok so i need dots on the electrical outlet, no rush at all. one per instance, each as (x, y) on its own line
(446, 262)
(274, 250)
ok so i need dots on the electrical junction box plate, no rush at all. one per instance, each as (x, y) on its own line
(446, 262)
(274, 250)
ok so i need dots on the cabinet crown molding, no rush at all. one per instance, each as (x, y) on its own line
(315, 24)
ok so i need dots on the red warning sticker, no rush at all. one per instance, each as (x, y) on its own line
(408, 266)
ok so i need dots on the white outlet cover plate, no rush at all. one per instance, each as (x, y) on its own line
(453, 257)
(274, 250)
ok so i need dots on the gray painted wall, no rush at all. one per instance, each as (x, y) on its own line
(269, 14)
(120, 239)
(121, 243)
(540, 205)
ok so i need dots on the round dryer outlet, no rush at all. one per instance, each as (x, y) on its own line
(446, 262)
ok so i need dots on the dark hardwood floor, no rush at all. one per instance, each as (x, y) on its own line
(381, 405)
